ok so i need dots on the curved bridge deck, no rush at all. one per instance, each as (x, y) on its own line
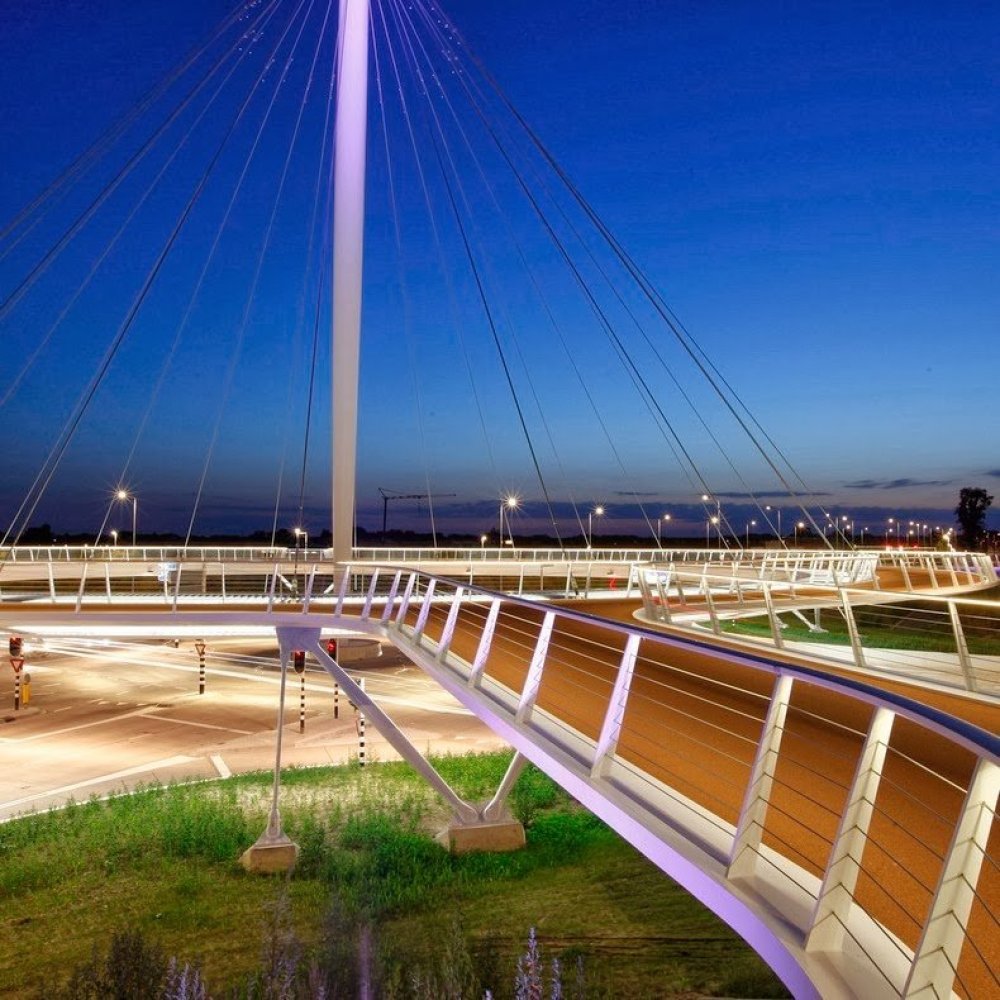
(849, 834)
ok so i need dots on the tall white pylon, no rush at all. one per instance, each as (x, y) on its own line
(350, 140)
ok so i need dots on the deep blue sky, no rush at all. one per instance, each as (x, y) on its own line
(813, 187)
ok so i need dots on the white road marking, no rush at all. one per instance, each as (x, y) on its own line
(113, 776)
(205, 725)
(220, 766)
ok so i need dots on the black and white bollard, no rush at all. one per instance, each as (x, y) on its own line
(361, 729)
(299, 662)
(16, 663)
(199, 645)
(336, 700)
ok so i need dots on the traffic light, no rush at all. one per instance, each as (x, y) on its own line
(16, 644)
(299, 660)
(331, 648)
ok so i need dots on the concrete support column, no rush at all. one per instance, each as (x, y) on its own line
(350, 141)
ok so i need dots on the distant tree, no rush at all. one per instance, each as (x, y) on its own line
(973, 503)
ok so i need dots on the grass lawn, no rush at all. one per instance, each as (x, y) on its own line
(163, 861)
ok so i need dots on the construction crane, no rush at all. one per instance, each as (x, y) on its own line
(388, 495)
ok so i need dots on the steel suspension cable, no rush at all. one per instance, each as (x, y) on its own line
(116, 129)
(248, 305)
(29, 363)
(88, 213)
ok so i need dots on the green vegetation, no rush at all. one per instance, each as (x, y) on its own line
(922, 627)
(154, 874)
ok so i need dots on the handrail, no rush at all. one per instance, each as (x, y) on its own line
(778, 795)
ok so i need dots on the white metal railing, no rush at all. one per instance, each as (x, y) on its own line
(952, 642)
(849, 834)
(794, 793)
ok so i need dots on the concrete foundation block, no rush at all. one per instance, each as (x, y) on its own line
(502, 835)
(270, 856)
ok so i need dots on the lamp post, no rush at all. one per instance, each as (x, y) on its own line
(482, 542)
(598, 511)
(665, 519)
(750, 524)
(123, 496)
(300, 534)
(508, 504)
(114, 537)
(716, 519)
(799, 525)
(777, 510)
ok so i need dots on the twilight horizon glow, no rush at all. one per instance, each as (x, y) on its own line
(816, 196)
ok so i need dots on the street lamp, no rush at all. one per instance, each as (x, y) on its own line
(777, 510)
(301, 533)
(799, 525)
(598, 511)
(482, 541)
(750, 524)
(114, 537)
(124, 496)
(713, 520)
(716, 518)
(509, 503)
(661, 520)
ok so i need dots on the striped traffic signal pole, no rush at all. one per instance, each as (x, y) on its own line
(299, 661)
(199, 646)
(17, 662)
(361, 729)
(16, 644)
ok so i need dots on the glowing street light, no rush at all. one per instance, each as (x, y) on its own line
(777, 510)
(482, 541)
(123, 496)
(300, 534)
(508, 504)
(750, 524)
(799, 525)
(597, 511)
(114, 537)
(661, 520)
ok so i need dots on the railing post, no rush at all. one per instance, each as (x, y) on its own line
(532, 682)
(935, 961)
(342, 591)
(307, 596)
(852, 630)
(52, 580)
(270, 590)
(425, 610)
(611, 728)
(485, 641)
(905, 570)
(83, 582)
(962, 647)
(836, 894)
(370, 596)
(753, 813)
(404, 604)
(772, 617)
(449, 625)
(391, 597)
(713, 617)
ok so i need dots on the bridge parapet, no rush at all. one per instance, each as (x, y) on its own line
(850, 835)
